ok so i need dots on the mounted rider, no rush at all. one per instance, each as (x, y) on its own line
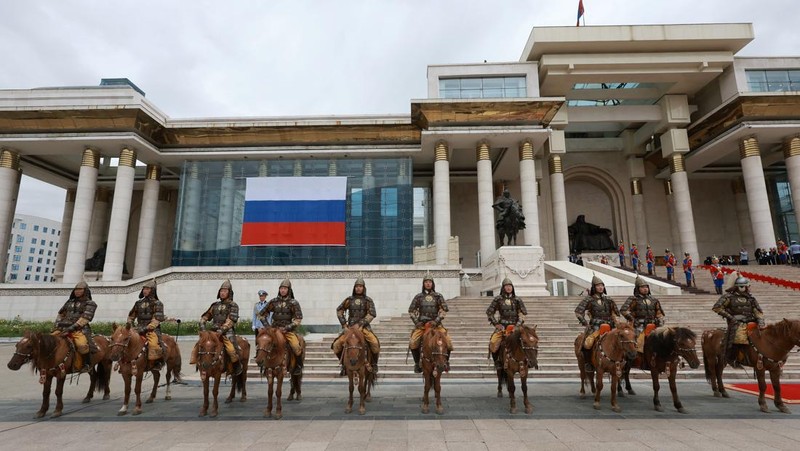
(507, 208)
(148, 312)
(72, 322)
(427, 307)
(287, 315)
(643, 311)
(739, 307)
(223, 314)
(512, 312)
(360, 309)
(602, 311)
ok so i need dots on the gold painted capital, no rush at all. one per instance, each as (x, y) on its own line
(737, 185)
(526, 151)
(368, 168)
(127, 158)
(636, 186)
(331, 168)
(194, 171)
(262, 169)
(91, 158)
(791, 147)
(153, 172)
(748, 147)
(676, 163)
(554, 164)
(9, 160)
(227, 171)
(482, 151)
(668, 187)
(440, 152)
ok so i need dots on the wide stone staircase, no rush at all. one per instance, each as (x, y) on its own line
(557, 329)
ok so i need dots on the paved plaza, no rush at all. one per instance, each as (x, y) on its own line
(474, 419)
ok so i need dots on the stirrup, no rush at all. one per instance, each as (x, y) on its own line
(417, 368)
(157, 365)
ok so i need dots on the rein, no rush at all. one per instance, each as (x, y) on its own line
(217, 355)
(526, 361)
(762, 357)
(618, 364)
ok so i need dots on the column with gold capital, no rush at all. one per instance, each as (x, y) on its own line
(791, 154)
(529, 189)
(147, 221)
(120, 216)
(441, 202)
(82, 217)
(674, 144)
(485, 200)
(66, 225)
(673, 217)
(9, 190)
(743, 214)
(559, 199)
(756, 189)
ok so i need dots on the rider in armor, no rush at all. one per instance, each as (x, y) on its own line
(739, 307)
(427, 307)
(602, 310)
(148, 312)
(73, 321)
(287, 315)
(360, 309)
(223, 314)
(643, 311)
(512, 312)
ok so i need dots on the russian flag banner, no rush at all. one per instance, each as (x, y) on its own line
(294, 211)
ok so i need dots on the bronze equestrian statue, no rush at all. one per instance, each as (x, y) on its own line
(510, 219)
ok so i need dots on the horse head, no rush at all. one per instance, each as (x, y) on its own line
(792, 330)
(270, 347)
(527, 340)
(209, 350)
(685, 343)
(120, 339)
(24, 352)
(355, 346)
(434, 350)
(626, 337)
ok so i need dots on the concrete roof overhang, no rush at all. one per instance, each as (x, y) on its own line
(429, 113)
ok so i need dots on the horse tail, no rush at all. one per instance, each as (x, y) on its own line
(103, 377)
(238, 383)
(707, 370)
(501, 377)
(372, 378)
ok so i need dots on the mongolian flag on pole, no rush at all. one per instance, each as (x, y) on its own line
(294, 211)
(580, 13)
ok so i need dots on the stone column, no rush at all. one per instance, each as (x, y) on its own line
(120, 216)
(529, 188)
(66, 225)
(756, 189)
(559, 200)
(639, 217)
(791, 154)
(441, 202)
(225, 219)
(331, 169)
(485, 200)
(743, 214)
(190, 211)
(147, 221)
(683, 205)
(99, 228)
(82, 217)
(673, 218)
(160, 247)
(9, 190)
(263, 169)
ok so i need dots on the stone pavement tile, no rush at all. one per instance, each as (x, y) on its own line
(526, 423)
(307, 446)
(425, 436)
(616, 446)
(179, 446)
(458, 425)
(357, 425)
(555, 446)
(387, 446)
(352, 436)
(650, 437)
(345, 446)
(465, 446)
(322, 426)
(389, 435)
(706, 444)
(768, 438)
(568, 431)
(500, 435)
(390, 425)
(430, 445)
(505, 446)
(462, 435)
(424, 425)
(493, 424)
(536, 436)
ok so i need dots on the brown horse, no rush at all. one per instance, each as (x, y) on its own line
(768, 351)
(271, 354)
(586, 376)
(355, 359)
(54, 357)
(129, 348)
(433, 357)
(609, 354)
(518, 352)
(214, 363)
(663, 349)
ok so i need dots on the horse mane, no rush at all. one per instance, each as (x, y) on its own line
(782, 328)
(278, 339)
(356, 331)
(208, 335)
(663, 340)
(47, 343)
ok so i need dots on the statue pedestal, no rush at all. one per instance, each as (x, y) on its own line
(524, 265)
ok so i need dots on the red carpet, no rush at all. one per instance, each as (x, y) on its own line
(789, 392)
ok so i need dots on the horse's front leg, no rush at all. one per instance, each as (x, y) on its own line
(270, 391)
(598, 387)
(278, 394)
(775, 377)
(582, 371)
(215, 403)
(656, 388)
(362, 391)
(137, 408)
(500, 378)
(673, 387)
(627, 373)
(437, 385)
(126, 378)
(92, 383)
(425, 399)
(614, 381)
(349, 407)
(59, 397)
(512, 389)
(762, 388)
(231, 395)
(720, 368)
(48, 383)
(154, 391)
(204, 409)
(523, 382)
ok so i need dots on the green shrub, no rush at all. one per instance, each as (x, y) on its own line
(16, 327)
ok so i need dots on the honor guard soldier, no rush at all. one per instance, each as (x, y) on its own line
(621, 252)
(223, 315)
(635, 257)
(602, 310)
(148, 312)
(72, 322)
(687, 269)
(717, 275)
(643, 311)
(650, 259)
(359, 309)
(738, 307)
(287, 315)
(427, 307)
(512, 312)
(669, 263)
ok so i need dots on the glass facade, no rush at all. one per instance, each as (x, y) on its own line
(482, 88)
(378, 220)
(773, 80)
(781, 202)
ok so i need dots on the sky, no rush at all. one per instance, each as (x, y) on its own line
(198, 58)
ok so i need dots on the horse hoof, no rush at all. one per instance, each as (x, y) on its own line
(529, 410)
(56, 414)
(290, 397)
(616, 409)
(513, 410)
(439, 410)
(86, 400)
(148, 401)
(202, 413)
(214, 414)
(137, 412)
(765, 409)
(682, 410)
(631, 392)
(425, 410)
(278, 416)
(122, 413)
(39, 415)
(362, 411)
(106, 397)
(659, 409)
(499, 394)
(725, 394)
(299, 397)
(596, 406)
(368, 398)
(717, 394)
(168, 398)
(267, 414)
(784, 409)
(228, 400)
(348, 410)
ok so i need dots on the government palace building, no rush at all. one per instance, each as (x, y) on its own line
(659, 133)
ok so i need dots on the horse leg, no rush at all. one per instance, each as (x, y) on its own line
(362, 391)
(500, 377)
(523, 381)
(598, 387)
(614, 384)
(137, 409)
(168, 395)
(297, 386)
(425, 399)
(204, 409)
(673, 387)
(268, 410)
(656, 388)
(229, 399)
(59, 397)
(243, 380)
(48, 382)
(278, 394)
(107, 375)
(775, 377)
(762, 388)
(512, 389)
(582, 371)
(437, 386)
(215, 404)
(154, 391)
(720, 368)
(349, 407)
(627, 373)
(92, 384)
(126, 377)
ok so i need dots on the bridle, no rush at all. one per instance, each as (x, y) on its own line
(217, 356)
(527, 360)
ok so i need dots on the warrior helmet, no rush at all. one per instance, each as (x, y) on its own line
(226, 284)
(360, 281)
(505, 282)
(428, 276)
(639, 282)
(666, 251)
(288, 284)
(595, 281)
(153, 285)
(741, 281)
(262, 293)
(87, 293)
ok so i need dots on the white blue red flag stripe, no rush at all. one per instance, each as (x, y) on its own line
(580, 13)
(294, 211)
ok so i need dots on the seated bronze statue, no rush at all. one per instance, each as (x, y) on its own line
(585, 236)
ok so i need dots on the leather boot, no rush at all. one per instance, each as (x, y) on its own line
(87, 362)
(298, 367)
(374, 363)
(587, 359)
(496, 358)
(237, 368)
(339, 358)
(415, 354)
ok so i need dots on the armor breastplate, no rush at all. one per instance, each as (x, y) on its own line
(145, 310)
(600, 309)
(428, 307)
(508, 311)
(73, 311)
(282, 313)
(645, 309)
(220, 312)
(358, 309)
(740, 305)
